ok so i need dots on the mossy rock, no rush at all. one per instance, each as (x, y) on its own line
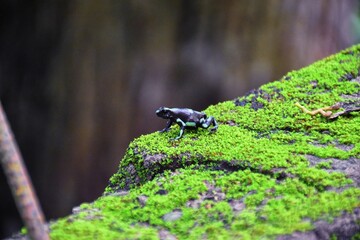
(270, 171)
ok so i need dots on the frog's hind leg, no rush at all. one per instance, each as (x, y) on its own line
(205, 123)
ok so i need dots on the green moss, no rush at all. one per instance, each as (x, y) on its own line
(356, 237)
(268, 202)
(324, 165)
(243, 180)
(262, 137)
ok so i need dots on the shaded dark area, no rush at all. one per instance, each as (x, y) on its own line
(80, 79)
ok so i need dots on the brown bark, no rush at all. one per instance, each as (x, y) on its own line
(20, 183)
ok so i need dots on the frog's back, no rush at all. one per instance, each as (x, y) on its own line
(187, 114)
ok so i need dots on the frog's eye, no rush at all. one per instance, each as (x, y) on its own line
(166, 112)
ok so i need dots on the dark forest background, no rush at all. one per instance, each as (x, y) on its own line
(80, 79)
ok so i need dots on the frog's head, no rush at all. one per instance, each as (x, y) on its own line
(164, 112)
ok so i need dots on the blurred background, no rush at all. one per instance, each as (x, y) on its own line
(80, 79)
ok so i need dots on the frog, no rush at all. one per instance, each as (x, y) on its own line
(186, 118)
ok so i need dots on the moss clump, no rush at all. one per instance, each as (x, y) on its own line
(250, 179)
(209, 205)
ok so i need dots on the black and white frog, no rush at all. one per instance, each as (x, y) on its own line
(185, 118)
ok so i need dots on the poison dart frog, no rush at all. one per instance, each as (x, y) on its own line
(185, 118)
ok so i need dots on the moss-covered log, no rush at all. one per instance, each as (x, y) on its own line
(270, 171)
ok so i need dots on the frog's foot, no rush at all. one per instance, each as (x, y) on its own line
(164, 130)
(212, 130)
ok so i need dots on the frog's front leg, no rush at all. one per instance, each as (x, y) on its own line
(182, 125)
(205, 123)
(168, 125)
